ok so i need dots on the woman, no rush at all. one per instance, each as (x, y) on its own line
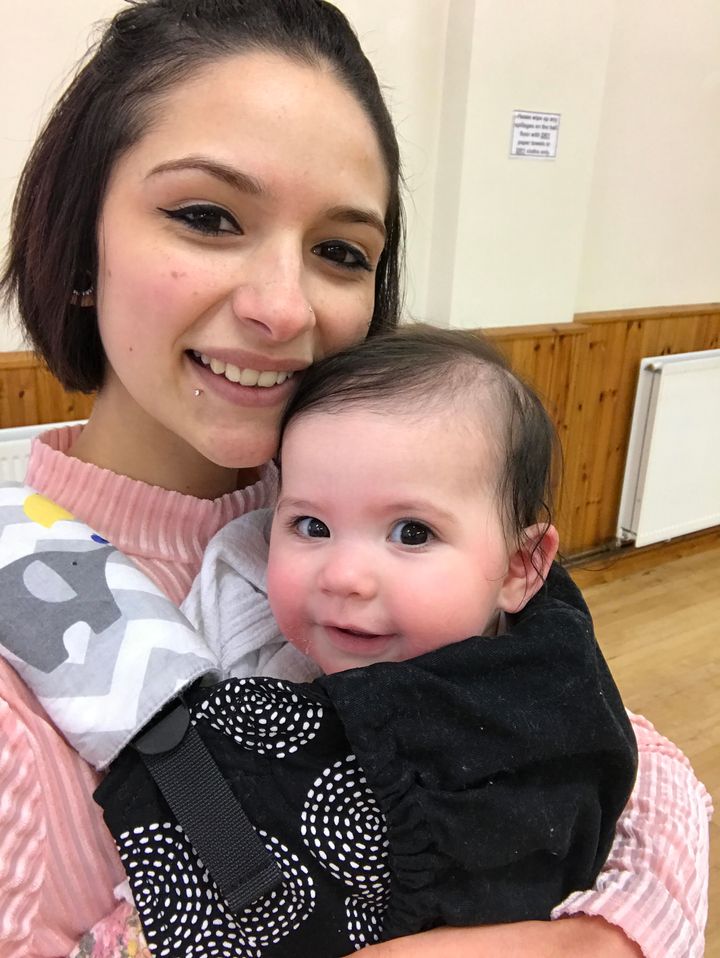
(213, 205)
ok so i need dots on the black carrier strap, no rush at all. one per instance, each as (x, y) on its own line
(207, 810)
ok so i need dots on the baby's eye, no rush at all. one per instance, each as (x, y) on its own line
(409, 532)
(343, 254)
(204, 218)
(311, 528)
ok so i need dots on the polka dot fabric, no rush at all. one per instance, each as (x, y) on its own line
(286, 757)
(345, 830)
(267, 719)
(195, 920)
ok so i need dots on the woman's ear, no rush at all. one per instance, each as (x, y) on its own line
(528, 567)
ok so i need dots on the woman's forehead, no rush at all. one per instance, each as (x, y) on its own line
(272, 118)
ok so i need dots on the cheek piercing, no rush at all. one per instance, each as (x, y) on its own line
(197, 393)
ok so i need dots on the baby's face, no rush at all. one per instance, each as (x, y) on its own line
(385, 544)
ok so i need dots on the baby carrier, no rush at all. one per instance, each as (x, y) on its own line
(263, 817)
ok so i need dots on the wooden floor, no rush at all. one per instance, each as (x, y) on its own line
(657, 617)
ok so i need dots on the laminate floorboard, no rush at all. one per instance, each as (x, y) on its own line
(657, 618)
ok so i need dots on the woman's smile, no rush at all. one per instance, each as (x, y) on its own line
(245, 379)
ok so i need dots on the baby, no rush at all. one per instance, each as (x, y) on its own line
(426, 778)
(413, 509)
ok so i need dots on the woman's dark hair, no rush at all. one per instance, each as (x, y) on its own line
(420, 369)
(145, 50)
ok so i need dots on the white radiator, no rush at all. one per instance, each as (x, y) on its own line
(672, 474)
(15, 448)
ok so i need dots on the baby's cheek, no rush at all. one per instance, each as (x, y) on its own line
(294, 627)
(286, 595)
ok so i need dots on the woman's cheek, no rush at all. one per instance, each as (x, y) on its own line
(346, 327)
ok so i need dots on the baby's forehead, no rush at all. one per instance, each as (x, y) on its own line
(476, 403)
(467, 429)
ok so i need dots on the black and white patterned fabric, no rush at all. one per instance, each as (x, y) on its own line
(479, 783)
(287, 759)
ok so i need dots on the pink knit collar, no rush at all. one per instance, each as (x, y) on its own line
(137, 518)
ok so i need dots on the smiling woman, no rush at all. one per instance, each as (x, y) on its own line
(227, 233)
(213, 205)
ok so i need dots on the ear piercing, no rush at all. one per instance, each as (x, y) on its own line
(83, 284)
(82, 287)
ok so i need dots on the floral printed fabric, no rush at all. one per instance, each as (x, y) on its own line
(117, 936)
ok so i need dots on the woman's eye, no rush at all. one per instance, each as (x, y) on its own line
(311, 528)
(205, 218)
(408, 532)
(344, 254)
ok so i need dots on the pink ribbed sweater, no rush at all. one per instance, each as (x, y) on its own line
(58, 864)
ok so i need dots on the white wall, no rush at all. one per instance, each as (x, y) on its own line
(653, 225)
(40, 42)
(625, 216)
(521, 221)
(405, 40)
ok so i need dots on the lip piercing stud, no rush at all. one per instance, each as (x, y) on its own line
(197, 393)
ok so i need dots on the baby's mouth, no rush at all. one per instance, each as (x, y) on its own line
(358, 633)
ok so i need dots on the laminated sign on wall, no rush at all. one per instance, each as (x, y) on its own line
(535, 134)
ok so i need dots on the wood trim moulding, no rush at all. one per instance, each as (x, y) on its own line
(21, 359)
(648, 313)
(539, 331)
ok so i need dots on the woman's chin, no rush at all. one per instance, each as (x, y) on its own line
(238, 451)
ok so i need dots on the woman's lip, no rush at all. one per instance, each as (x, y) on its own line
(246, 360)
(240, 395)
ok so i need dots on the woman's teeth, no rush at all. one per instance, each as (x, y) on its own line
(246, 377)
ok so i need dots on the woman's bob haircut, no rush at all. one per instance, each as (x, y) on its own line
(146, 49)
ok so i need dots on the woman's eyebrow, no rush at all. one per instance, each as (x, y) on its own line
(243, 182)
(352, 214)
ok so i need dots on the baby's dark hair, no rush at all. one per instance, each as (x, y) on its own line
(420, 369)
(147, 49)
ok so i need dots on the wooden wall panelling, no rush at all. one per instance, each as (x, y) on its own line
(18, 400)
(585, 371)
(709, 331)
(568, 415)
(602, 374)
(547, 357)
(616, 344)
(587, 374)
(55, 404)
(30, 394)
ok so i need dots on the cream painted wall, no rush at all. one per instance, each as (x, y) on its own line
(653, 227)
(40, 42)
(405, 41)
(521, 221)
(625, 216)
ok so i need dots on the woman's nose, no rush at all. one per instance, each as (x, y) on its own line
(348, 574)
(272, 297)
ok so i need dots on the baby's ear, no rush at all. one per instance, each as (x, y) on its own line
(528, 567)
